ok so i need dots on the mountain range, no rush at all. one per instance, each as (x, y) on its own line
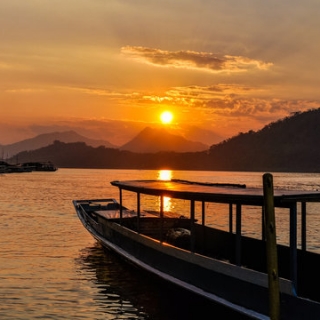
(151, 140)
(148, 140)
(46, 139)
(287, 145)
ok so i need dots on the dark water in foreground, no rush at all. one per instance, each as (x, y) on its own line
(51, 268)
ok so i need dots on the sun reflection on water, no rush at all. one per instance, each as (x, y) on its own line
(165, 175)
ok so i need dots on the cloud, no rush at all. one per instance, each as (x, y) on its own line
(4, 65)
(224, 99)
(227, 100)
(236, 100)
(225, 108)
(101, 92)
(194, 60)
(199, 96)
(24, 91)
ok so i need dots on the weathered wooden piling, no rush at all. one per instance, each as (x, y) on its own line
(271, 246)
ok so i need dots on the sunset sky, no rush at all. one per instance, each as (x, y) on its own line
(226, 66)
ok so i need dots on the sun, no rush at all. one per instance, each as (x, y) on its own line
(166, 117)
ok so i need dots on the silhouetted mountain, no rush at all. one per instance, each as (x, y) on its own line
(207, 137)
(151, 140)
(288, 145)
(79, 155)
(46, 139)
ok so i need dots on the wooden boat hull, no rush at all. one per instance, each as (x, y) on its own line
(238, 288)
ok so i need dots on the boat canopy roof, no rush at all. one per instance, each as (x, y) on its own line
(214, 192)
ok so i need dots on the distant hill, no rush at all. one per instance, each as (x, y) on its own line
(287, 145)
(205, 136)
(151, 140)
(80, 155)
(46, 139)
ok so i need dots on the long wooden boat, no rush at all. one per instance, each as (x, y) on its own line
(225, 266)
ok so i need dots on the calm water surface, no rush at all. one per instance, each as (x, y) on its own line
(51, 268)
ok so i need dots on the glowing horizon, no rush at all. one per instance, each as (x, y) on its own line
(209, 64)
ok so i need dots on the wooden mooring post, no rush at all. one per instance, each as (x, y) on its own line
(271, 246)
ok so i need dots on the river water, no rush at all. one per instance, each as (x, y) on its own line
(51, 268)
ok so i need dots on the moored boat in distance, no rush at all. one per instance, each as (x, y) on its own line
(40, 166)
(224, 266)
(26, 167)
(13, 168)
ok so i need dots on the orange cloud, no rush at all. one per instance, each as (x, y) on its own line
(24, 91)
(4, 65)
(194, 60)
(224, 99)
(230, 101)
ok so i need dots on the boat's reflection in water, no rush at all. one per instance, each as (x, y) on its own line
(121, 291)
